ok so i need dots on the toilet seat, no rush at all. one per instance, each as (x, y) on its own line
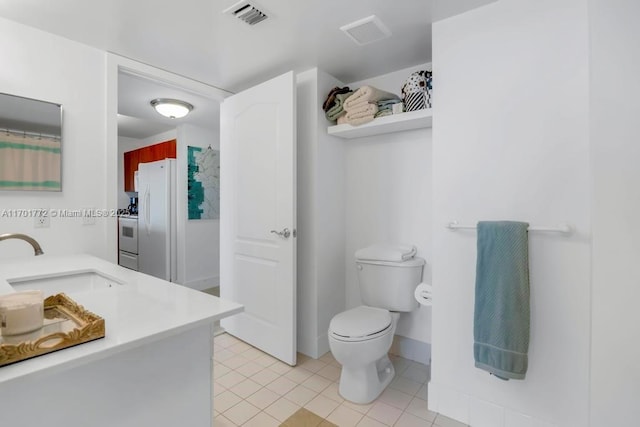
(360, 324)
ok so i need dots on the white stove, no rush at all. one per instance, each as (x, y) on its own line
(128, 241)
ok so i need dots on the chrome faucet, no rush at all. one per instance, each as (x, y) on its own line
(36, 246)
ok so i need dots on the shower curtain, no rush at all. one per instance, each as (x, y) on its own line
(29, 163)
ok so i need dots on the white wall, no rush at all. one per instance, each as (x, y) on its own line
(511, 142)
(320, 215)
(615, 67)
(306, 243)
(330, 217)
(388, 180)
(39, 65)
(198, 240)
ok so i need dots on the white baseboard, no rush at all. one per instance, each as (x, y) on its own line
(314, 349)
(202, 284)
(475, 411)
(411, 349)
(322, 345)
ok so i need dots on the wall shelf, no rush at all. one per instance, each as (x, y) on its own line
(395, 123)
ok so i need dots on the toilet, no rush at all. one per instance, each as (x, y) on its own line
(361, 337)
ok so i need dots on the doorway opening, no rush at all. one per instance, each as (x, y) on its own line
(134, 127)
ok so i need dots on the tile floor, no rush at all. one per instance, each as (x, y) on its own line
(252, 388)
(304, 417)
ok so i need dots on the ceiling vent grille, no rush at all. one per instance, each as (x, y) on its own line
(366, 30)
(246, 12)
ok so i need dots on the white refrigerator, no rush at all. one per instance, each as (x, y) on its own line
(157, 219)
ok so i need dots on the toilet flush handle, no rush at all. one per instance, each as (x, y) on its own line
(359, 267)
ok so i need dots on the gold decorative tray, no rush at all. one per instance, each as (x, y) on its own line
(66, 324)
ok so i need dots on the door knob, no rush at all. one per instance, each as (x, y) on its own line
(284, 233)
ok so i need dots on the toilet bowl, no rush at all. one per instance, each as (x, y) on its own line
(359, 340)
(361, 337)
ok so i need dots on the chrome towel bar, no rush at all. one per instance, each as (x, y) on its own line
(563, 228)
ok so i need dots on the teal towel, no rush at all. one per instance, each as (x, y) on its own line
(501, 318)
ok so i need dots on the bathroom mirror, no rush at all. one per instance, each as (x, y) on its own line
(30, 144)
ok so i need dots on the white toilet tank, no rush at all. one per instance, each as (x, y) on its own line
(390, 284)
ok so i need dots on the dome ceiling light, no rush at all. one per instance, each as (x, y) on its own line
(171, 108)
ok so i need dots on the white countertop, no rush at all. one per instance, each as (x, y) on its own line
(143, 310)
(131, 216)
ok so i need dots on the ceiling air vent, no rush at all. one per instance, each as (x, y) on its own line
(245, 11)
(366, 30)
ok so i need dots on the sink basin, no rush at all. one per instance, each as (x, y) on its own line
(68, 282)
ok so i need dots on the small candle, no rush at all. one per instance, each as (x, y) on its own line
(21, 312)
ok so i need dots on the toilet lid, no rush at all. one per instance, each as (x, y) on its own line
(360, 322)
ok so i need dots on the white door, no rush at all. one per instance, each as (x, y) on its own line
(258, 215)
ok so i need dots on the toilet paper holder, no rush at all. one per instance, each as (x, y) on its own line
(424, 294)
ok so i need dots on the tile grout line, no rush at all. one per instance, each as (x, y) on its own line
(327, 360)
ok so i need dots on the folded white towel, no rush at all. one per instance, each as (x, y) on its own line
(364, 111)
(367, 94)
(388, 252)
